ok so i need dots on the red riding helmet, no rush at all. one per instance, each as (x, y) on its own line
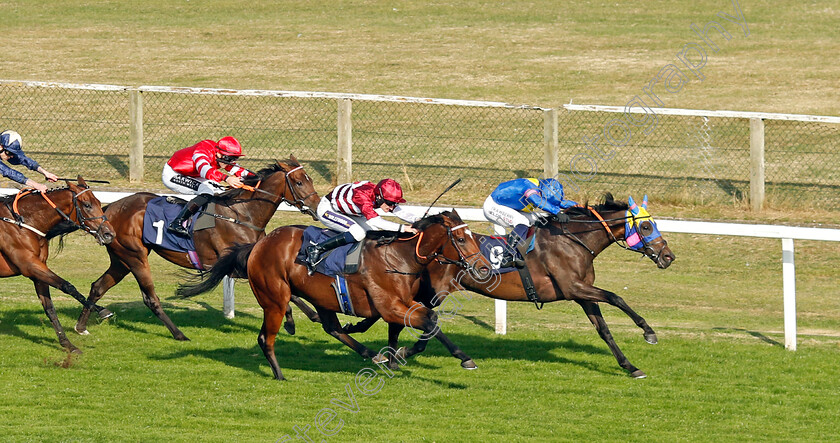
(230, 146)
(390, 190)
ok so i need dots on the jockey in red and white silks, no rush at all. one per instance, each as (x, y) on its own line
(351, 210)
(195, 170)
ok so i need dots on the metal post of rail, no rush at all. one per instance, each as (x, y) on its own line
(789, 290)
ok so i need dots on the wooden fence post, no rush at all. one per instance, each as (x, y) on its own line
(135, 121)
(550, 158)
(344, 161)
(756, 163)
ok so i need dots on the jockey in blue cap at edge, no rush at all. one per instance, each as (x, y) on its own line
(513, 202)
(11, 151)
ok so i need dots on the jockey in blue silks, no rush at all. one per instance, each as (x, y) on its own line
(11, 151)
(513, 202)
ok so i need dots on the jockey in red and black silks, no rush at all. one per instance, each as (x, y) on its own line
(351, 210)
(195, 170)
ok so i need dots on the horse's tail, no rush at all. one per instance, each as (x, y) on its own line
(233, 262)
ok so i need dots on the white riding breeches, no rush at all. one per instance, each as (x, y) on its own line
(189, 185)
(505, 216)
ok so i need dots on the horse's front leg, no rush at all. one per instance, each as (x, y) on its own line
(594, 313)
(43, 291)
(619, 303)
(331, 325)
(362, 326)
(115, 273)
(426, 320)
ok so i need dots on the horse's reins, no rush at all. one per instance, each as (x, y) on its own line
(297, 201)
(436, 256)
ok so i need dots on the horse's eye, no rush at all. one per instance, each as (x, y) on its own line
(646, 227)
(462, 240)
(88, 205)
(300, 183)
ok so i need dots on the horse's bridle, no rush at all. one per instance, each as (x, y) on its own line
(79, 214)
(463, 259)
(647, 247)
(298, 202)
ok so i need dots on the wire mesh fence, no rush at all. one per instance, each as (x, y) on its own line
(425, 144)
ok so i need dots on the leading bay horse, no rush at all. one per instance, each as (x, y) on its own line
(28, 224)
(243, 215)
(562, 267)
(385, 286)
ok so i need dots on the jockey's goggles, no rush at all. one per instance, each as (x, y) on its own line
(389, 202)
(228, 158)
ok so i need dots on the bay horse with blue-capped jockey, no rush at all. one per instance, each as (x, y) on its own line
(242, 214)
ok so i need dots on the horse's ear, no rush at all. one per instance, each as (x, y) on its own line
(82, 182)
(292, 158)
(644, 202)
(632, 204)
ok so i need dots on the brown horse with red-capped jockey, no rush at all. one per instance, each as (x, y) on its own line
(385, 286)
(241, 213)
(29, 220)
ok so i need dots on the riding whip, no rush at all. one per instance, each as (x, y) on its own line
(441, 195)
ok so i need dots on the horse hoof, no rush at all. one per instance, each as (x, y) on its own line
(289, 328)
(401, 353)
(469, 365)
(379, 359)
(74, 350)
(105, 314)
(651, 338)
(181, 338)
(82, 332)
(638, 373)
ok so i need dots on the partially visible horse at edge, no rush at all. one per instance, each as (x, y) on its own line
(245, 214)
(385, 286)
(27, 226)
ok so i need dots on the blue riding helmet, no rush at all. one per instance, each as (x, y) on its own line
(552, 191)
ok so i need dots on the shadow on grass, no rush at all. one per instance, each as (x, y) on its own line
(11, 322)
(755, 334)
(317, 355)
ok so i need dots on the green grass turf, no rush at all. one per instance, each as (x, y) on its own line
(720, 371)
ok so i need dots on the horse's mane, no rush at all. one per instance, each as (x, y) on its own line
(261, 175)
(11, 197)
(608, 204)
(436, 219)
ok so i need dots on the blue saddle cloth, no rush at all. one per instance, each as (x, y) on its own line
(332, 262)
(159, 213)
(492, 248)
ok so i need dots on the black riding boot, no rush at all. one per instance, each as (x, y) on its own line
(509, 258)
(314, 251)
(189, 209)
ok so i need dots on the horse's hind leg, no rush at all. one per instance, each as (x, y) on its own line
(362, 326)
(115, 273)
(272, 318)
(43, 291)
(594, 313)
